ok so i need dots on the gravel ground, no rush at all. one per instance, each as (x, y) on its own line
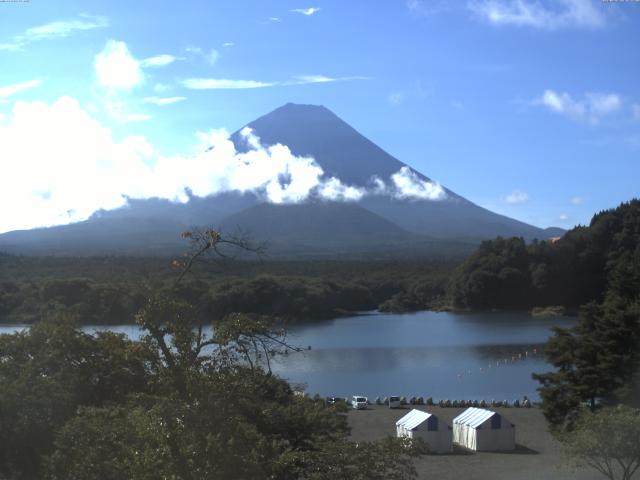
(537, 456)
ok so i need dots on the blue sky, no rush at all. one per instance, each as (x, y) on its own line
(529, 108)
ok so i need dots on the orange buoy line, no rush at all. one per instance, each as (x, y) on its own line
(520, 356)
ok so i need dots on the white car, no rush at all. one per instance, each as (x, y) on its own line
(359, 403)
(394, 402)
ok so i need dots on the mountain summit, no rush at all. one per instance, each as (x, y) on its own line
(382, 219)
(312, 130)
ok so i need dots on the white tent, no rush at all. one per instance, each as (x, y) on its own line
(479, 429)
(425, 425)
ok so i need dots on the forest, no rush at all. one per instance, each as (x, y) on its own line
(110, 290)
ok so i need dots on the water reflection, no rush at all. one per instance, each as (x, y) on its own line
(444, 355)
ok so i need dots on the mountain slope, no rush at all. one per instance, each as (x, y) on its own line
(378, 221)
(346, 154)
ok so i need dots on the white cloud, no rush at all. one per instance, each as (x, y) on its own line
(158, 60)
(228, 44)
(334, 189)
(222, 84)
(517, 197)
(409, 185)
(227, 84)
(162, 101)
(315, 79)
(563, 217)
(210, 57)
(577, 200)
(9, 90)
(57, 29)
(305, 79)
(116, 68)
(549, 15)
(61, 165)
(306, 11)
(590, 108)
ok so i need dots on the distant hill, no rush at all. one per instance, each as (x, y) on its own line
(378, 222)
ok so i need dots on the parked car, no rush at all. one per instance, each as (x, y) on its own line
(394, 402)
(359, 403)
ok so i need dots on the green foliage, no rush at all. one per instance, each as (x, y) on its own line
(578, 268)
(358, 461)
(606, 441)
(176, 404)
(111, 290)
(46, 373)
(593, 360)
(596, 267)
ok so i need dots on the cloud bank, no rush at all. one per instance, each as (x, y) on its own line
(60, 165)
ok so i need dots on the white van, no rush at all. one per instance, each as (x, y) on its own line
(394, 402)
(359, 403)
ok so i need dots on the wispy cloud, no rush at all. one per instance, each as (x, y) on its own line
(577, 200)
(9, 90)
(591, 108)
(306, 11)
(228, 44)
(210, 57)
(158, 60)
(396, 98)
(304, 79)
(635, 111)
(430, 7)
(223, 84)
(516, 197)
(550, 15)
(57, 29)
(162, 101)
(226, 84)
(116, 68)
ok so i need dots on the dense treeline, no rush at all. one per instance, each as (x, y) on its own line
(110, 290)
(578, 268)
(594, 270)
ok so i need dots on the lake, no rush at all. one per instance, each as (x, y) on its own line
(439, 354)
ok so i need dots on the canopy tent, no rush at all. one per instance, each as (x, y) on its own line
(425, 425)
(479, 429)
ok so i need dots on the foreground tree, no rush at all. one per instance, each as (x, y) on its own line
(606, 441)
(179, 403)
(593, 360)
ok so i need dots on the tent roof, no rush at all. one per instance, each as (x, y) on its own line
(474, 417)
(412, 419)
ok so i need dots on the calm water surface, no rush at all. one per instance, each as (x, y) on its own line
(444, 355)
